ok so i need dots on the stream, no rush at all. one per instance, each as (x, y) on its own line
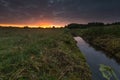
(95, 58)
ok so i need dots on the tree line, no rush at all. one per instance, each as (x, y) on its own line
(92, 24)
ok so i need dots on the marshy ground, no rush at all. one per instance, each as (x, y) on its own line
(106, 38)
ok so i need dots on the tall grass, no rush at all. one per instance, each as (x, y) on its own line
(40, 54)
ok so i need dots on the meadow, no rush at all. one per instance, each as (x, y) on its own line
(40, 54)
(106, 38)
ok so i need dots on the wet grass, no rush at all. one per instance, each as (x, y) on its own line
(40, 54)
(108, 72)
(106, 38)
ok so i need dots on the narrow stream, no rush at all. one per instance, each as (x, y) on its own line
(95, 58)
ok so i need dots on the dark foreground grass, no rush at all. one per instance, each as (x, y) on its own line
(106, 38)
(40, 54)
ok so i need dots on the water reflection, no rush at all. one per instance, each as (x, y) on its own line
(95, 58)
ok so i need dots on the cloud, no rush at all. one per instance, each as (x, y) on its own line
(19, 11)
(4, 3)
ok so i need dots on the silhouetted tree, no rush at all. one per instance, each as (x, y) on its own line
(116, 23)
(83, 26)
(96, 24)
(53, 27)
(26, 27)
(74, 26)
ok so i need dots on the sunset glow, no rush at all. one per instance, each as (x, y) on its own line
(42, 25)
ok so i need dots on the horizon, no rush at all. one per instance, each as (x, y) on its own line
(50, 25)
(53, 26)
(31, 26)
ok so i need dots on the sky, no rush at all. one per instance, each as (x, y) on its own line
(58, 12)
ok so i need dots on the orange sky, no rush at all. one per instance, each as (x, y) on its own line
(43, 24)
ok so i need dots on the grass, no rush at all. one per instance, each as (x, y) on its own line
(106, 38)
(40, 54)
(107, 72)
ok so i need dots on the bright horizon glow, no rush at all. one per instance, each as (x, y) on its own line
(32, 26)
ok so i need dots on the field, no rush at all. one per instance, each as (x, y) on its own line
(40, 54)
(103, 37)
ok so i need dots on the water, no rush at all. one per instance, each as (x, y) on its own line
(95, 58)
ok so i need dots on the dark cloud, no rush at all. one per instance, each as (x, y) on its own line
(82, 11)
